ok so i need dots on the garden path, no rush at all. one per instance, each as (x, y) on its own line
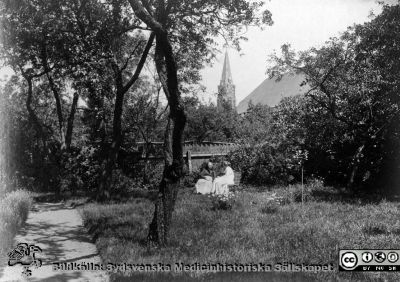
(58, 230)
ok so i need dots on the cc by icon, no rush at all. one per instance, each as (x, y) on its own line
(349, 260)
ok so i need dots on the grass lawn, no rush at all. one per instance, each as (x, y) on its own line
(255, 230)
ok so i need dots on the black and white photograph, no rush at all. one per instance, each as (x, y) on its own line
(199, 140)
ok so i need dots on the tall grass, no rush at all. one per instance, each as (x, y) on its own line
(14, 209)
(255, 230)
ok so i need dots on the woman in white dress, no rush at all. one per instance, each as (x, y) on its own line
(205, 183)
(220, 184)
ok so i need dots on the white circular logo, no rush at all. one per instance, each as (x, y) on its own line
(349, 260)
(393, 257)
(367, 257)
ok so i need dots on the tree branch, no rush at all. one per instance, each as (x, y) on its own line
(140, 65)
(125, 65)
(143, 15)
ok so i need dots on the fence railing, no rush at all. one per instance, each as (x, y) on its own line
(196, 154)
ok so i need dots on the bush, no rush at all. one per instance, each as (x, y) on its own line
(78, 170)
(146, 174)
(121, 184)
(154, 173)
(14, 209)
(265, 164)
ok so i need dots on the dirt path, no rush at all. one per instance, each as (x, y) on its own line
(59, 232)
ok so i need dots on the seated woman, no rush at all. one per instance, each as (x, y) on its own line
(220, 184)
(205, 183)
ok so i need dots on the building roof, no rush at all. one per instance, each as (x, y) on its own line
(271, 91)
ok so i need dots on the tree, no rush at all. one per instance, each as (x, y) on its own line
(351, 105)
(88, 49)
(255, 125)
(207, 123)
(270, 139)
(173, 23)
(39, 37)
(145, 119)
(121, 89)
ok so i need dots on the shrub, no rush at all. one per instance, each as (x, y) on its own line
(14, 209)
(121, 184)
(146, 174)
(265, 164)
(80, 169)
(154, 174)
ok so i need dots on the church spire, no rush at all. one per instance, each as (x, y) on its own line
(226, 77)
(226, 88)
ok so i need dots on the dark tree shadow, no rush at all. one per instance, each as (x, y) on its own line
(59, 241)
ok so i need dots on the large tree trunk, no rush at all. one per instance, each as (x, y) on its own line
(70, 121)
(42, 154)
(56, 95)
(60, 116)
(105, 182)
(173, 150)
(173, 144)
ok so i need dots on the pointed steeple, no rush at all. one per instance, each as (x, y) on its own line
(226, 77)
(226, 88)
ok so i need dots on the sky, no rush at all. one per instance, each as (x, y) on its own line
(302, 23)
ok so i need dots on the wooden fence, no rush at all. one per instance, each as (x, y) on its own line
(195, 154)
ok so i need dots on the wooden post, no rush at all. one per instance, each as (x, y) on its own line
(189, 161)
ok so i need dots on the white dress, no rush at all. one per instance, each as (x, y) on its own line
(204, 186)
(220, 184)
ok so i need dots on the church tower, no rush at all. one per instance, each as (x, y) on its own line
(226, 88)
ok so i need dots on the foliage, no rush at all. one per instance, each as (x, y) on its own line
(70, 60)
(14, 209)
(190, 179)
(194, 27)
(81, 170)
(145, 116)
(266, 164)
(172, 23)
(347, 121)
(154, 172)
(208, 123)
(254, 126)
(271, 142)
(29, 156)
